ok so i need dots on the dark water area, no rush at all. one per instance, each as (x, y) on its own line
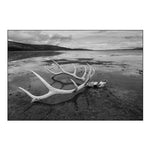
(16, 55)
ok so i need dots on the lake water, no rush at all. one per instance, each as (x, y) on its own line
(122, 70)
(129, 60)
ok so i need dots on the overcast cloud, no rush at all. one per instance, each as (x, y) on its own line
(97, 40)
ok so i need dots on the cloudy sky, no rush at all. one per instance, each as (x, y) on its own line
(96, 39)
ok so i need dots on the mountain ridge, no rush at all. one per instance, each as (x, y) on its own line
(16, 46)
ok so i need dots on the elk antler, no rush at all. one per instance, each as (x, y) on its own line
(83, 77)
(53, 91)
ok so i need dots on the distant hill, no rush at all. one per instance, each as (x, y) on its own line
(138, 48)
(16, 46)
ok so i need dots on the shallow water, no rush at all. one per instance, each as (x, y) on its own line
(128, 61)
(121, 69)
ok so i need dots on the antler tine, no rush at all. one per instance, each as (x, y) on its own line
(87, 78)
(85, 70)
(89, 74)
(58, 65)
(75, 69)
(93, 72)
(76, 86)
(43, 81)
(55, 73)
(62, 70)
(27, 92)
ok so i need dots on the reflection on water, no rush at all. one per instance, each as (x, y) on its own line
(98, 55)
(128, 61)
(132, 58)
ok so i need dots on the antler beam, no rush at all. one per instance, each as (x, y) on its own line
(53, 91)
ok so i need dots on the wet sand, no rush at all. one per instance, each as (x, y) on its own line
(121, 99)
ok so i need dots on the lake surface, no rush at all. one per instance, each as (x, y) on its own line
(122, 99)
(130, 61)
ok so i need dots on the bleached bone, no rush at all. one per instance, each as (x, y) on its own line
(82, 78)
(54, 91)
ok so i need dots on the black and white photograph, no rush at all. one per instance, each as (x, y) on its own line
(75, 75)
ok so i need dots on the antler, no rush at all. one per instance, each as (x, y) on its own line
(53, 91)
(83, 77)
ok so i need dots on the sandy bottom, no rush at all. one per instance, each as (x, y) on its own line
(121, 99)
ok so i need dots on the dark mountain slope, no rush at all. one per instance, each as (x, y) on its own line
(15, 46)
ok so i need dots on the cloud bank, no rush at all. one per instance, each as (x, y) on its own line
(94, 39)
